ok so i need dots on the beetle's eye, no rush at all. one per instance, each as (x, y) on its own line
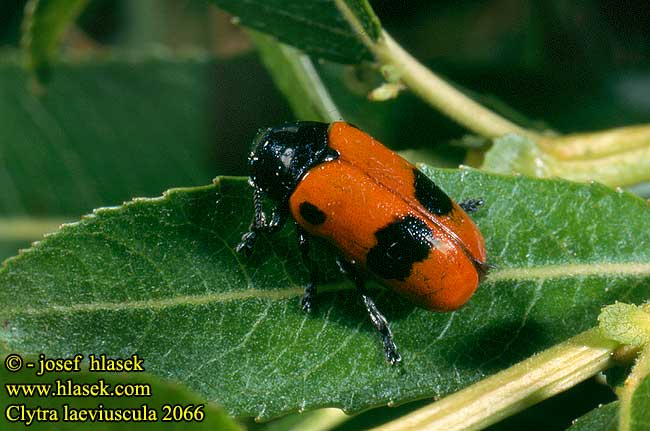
(287, 157)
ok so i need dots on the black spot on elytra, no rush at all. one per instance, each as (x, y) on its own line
(430, 195)
(312, 214)
(399, 245)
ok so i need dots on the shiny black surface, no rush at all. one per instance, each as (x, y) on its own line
(282, 155)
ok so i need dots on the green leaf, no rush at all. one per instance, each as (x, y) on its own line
(364, 14)
(559, 412)
(640, 407)
(634, 395)
(160, 277)
(317, 27)
(91, 151)
(162, 393)
(517, 154)
(616, 157)
(604, 418)
(295, 75)
(625, 323)
(43, 26)
(87, 151)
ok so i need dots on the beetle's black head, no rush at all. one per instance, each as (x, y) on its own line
(282, 155)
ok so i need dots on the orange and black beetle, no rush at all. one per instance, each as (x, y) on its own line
(386, 218)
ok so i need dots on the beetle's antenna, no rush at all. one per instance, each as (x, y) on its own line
(259, 217)
(249, 238)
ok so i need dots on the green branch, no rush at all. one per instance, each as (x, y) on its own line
(441, 95)
(516, 388)
(430, 87)
(27, 228)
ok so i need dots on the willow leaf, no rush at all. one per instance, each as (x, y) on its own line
(44, 24)
(159, 277)
(603, 418)
(317, 27)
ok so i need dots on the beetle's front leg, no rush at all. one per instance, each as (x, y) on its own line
(471, 205)
(308, 301)
(376, 317)
(260, 224)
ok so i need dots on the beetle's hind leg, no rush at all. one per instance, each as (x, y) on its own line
(308, 301)
(377, 318)
(471, 205)
(260, 224)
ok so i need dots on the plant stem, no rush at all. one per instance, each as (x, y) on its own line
(441, 95)
(580, 146)
(430, 87)
(616, 157)
(27, 228)
(620, 169)
(516, 388)
(639, 372)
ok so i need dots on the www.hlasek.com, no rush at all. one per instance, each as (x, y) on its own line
(29, 396)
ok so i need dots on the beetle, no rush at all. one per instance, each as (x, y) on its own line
(386, 218)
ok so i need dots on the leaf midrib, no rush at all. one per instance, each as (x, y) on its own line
(539, 273)
(553, 272)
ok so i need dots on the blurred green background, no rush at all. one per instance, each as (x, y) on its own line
(560, 64)
(153, 94)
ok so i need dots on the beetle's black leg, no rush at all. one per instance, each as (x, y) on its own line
(378, 319)
(309, 298)
(260, 224)
(471, 205)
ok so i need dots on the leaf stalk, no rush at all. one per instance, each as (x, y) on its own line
(516, 388)
(429, 86)
(442, 95)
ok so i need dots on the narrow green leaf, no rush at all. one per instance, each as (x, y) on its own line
(160, 277)
(295, 75)
(604, 418)
(640, 407)
(365, 16)
(161, 393)
(317, 27)
(43, 26)
(634, 395)
(616, 157)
